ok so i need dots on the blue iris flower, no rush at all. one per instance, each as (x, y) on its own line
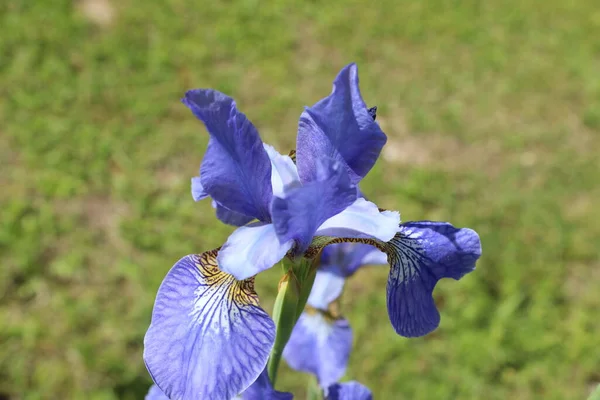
(209, 337)
(338, 143)
(321, 341)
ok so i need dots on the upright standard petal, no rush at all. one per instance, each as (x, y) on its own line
(362, 219)
(341, 127)
(154, 393)
(236, 171)
(251, 249)
(421, 254)
(305, 208)
(208, 338)
(320, 345)
(348, 391)
(262, 389)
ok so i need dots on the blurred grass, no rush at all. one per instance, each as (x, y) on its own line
(493, 115)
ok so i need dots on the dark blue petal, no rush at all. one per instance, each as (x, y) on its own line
(348, 391)
(155, 394)
(319, 345)
(339, 127)
(236, 171)
(262, 389)
(421, 254)
(229, 217)
(208, 338)
(305, 208)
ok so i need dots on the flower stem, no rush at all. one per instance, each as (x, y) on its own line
(294, 289)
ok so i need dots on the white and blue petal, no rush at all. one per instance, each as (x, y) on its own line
(362, 219)
(348, 391)
(284, 173)
(303, 209)
(208, 338)
(251, 249)
(327, 287)
(262, 389)
(341, 127)
(154, 393)
(235, 171)
(319, 345)
(421, 254)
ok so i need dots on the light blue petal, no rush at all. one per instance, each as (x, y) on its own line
(208, 338)
(327, 288)
(155, 394)
(198, 192)
(320, 346)
(339, 126)
(345, 258)
(375, 257)
(420, 255)
(362, 219)
(284, 173)
(262, 389)
(348, 391)
(251, 249)
(304, 209)
(235, 171)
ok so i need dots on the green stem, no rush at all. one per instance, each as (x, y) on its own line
(294, 289)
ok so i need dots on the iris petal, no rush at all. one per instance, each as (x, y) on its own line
(341, 127)
(421, 254)
(305, 208)
(262, 389)
(236, 171)
(229, 217)
(362, 219)
(198, 192)
(209, 338)
(251, 249)
(155, 394)
(283, 171)
(320, 346)
(346, 258)
(326, 289)
(348, 391)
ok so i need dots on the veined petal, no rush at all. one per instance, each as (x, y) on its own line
(198, 192)
(421, 254)
(154, 393)
(362, 219)
(348, 391)
(340, 127)
(305, 208)
(283, 171)
(235, 171)
(208, 338)
(229, 217)
(262, 389)
(251, 249)
(319, 345)
(326, 289)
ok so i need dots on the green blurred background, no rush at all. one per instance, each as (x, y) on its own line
(492, 110)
